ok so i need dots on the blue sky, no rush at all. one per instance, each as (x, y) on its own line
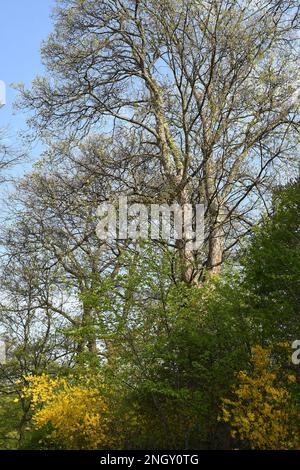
(24, 25)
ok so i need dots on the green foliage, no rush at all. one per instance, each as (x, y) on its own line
(272, 270)
(10, 416)
(171, 352)
(40, 439)
(178, 351)
(262, 411)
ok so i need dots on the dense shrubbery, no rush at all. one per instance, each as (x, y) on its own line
(193, 367)
(262, 413)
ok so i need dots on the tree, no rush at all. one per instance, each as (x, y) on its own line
(208, 90)
(173, 348)
(53, 229)
(163, 101)
(33, 337)
(272, 269)
(8, 156)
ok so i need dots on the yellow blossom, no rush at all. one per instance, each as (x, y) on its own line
(262, 413)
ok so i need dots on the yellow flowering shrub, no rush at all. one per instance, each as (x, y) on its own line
(79, 415)
(261, 412)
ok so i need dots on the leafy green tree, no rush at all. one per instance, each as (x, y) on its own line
(272, 270)
(175, 348)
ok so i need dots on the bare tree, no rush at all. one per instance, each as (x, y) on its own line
(8, 156)
(208, 89)
(52, 219)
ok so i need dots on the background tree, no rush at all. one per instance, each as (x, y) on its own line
(272, 269)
